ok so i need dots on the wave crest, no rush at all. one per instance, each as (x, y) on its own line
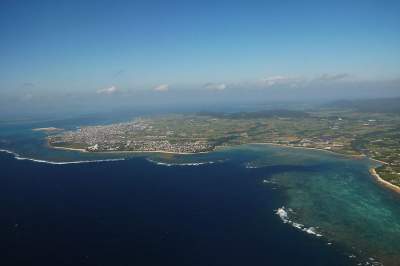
(179, 164)
(19, 157)
(284, 215)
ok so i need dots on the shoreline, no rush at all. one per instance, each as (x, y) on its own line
(372, 170)
(310, 148)
(216, 148)
(386, 184)
(122, 152)
(382, 181)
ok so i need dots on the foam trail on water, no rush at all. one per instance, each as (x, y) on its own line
(179, 164)
(283, 214)
(19, 157)
(251, 166)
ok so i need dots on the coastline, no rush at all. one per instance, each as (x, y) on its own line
(383, 182)
(122, 152)
(315, 149)
(215, 148)
(372, 170)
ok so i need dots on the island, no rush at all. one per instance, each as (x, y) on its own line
(346, 131)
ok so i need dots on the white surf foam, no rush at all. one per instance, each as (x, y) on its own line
(19, 157)
(251, 166)
(268, 181)
(284, 215)
(179, 164)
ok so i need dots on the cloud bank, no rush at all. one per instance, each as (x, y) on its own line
(108, 91)
(333, 77)
(302, 81)
(161, 88)
(215, 86)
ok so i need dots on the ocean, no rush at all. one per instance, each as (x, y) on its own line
(245, 205)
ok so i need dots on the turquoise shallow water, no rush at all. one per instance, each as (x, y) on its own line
(330, 196)
(320, 193)
(338, 197)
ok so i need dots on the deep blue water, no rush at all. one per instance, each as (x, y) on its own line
(135, 212)
(152, 209)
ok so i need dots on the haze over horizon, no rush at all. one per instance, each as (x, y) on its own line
(80, 56)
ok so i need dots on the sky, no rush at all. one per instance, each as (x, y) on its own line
(110, 53)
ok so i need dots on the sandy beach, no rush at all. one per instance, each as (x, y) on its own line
(383, 182)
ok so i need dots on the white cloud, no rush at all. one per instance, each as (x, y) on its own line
(333, 77)
(108, 91)
(161, 88)
(293, 82)
(215, 86)
(280, 80)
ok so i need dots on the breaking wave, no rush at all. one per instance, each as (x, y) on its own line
(251, 166)
(283, 214)
(179, 164)
(19, 157)
(268, 181)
